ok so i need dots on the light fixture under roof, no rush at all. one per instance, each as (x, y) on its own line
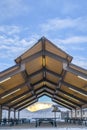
(78, 92)
(43, 61)
(71, 97)
(5, 80)
(18, 98)
(82, 78)
(10, 93)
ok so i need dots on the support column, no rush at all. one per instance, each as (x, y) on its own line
(14, 114)
(8, 114)
(81, 113)
(0, 112)
(18, 115)
(71, 113)
(75, 114)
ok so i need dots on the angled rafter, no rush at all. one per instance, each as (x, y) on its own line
(32, 57)
(22, 101)
(73, 87)
(68, 100)
(76, 72)
(56, 57)
(64, 105)
(25, 104)
(16, 98)
(72, 96)
(45, 70)
(13, 89)
(10, 72)
(67, 84)
(27, 98)
(72, 106)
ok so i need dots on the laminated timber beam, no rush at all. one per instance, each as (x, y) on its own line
(76, 97)
(56, 57)
(46, 80)
(45, 70)
(16, 98)
(64, 105)
(29, 98)
(25, 94)
(32, 57)
(44, 92)
(46, 53)
(65, 83)
(13, 89)
(24, 106)
(7, 74)
(29, 85)
(68, 100)
(73, 96)
(23, 100)
(72, 106)
(74, 88)
(74, 71)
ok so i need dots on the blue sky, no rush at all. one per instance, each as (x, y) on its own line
(23, 22)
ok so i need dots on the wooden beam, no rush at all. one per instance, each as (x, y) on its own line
(48, 89)
(74, 87)
(72, 96)
(32, 57)
(13, 89)
(65, 83)
(36, 73)
(15, 98)
(68, 100)
(29, 98)
(56, 57)
(53, 73)
(11, 72)
(18, 97)
(68, 107)
(72, 106)
(24, 104)
(76, 72)
(23, 107)
(44, 70)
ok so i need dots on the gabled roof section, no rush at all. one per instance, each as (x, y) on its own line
(44, 69)
(39, 46)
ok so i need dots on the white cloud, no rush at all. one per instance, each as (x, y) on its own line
(73, 40)
(12, 8)
(80, 61)
(14, 45)
(10, 30)
(58, 24)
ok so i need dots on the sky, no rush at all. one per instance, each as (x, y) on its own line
(23, 22)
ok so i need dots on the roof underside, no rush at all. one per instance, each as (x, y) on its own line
(43, 70)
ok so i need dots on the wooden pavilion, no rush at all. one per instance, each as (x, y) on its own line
(44, 69)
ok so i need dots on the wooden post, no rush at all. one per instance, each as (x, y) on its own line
(75, 113)
(14, 114)
(0, 112)
(18, 115)
(8, 114)
(81, 113)
(71, 113)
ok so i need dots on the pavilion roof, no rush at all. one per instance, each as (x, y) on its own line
(44, 69)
